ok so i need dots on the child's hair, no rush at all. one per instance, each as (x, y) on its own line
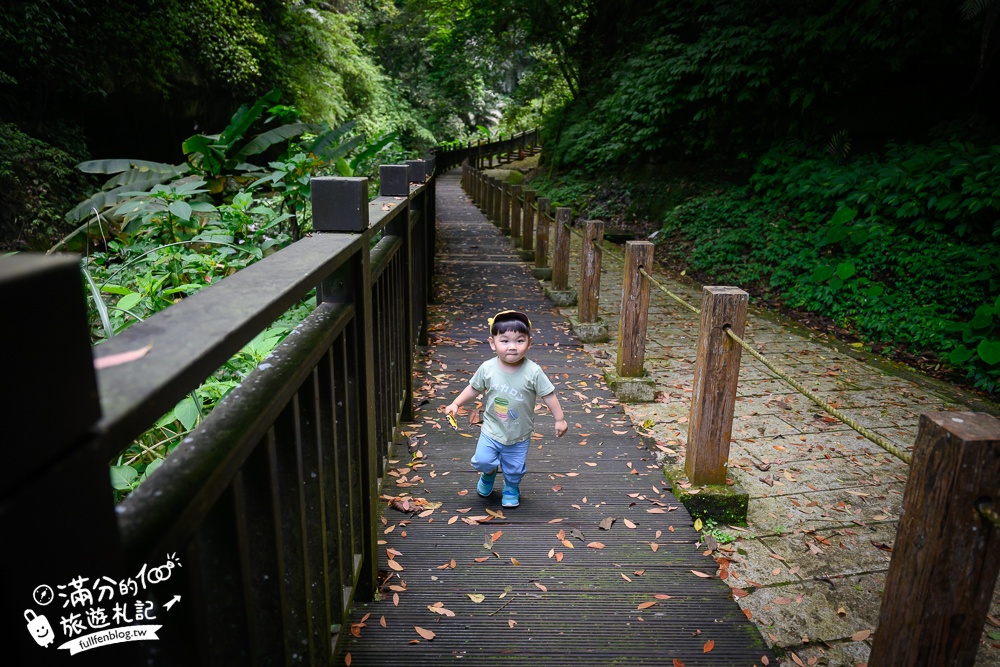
(507, 321)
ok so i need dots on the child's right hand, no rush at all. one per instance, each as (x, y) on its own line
(451, 410)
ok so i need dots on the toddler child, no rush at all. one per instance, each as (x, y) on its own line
(509, 382)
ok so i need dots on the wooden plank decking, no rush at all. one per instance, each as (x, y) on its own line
(536, 609)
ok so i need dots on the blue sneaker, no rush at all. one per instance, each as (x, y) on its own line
(511, 496)
(485, 485)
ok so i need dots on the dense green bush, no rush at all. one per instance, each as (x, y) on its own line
(903, 246)
(38, 184)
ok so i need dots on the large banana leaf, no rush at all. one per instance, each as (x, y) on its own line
(265, 140)
(133, 176)
(327, 138)
(115, 166)
(244, 117)
(331, 154)
(371, 149)
(105, 198)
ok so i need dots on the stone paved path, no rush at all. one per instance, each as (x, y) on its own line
(542, 584)
(824, 501)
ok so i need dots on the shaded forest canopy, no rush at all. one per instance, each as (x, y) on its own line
(858, 136)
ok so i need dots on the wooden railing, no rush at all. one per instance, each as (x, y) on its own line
(481, 155)
(268, 506)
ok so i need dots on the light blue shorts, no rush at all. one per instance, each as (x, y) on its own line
(511, 459)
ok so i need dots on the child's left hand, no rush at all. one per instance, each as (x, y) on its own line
(561, 428)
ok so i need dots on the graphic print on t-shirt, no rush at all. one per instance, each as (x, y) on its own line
(501, 408)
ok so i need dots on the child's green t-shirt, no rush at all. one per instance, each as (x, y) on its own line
(509, 398)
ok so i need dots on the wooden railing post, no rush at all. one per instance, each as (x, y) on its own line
(629, 380)
(634, 311)
(587, 326)
(716, 374)
(497, 196)
(947, 555)
(51, 474)
(559, 293)
(515, 216)
(590, 270)
(542, 271)
(505, 208)
(560, 255)
(528, 226)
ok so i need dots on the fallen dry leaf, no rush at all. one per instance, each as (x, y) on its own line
(701, 574)
(559, 557)
(476, 597)
(606, 523)
(511, 623)
(452, 519)
(661, 596)
(654, 546)
(646, 605)
(541, 587)
(861, 635)
(395, 599)
(709, 645)
(381, 621)
(395, 566)
(678, 663)
(595, 545)
(121, 358)
(797, 660)
(556, 520)
(347, 659)
(514, 561)
(426, 634)
(628, 524)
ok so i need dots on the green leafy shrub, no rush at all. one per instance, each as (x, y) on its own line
(900, 246)
(38, 182)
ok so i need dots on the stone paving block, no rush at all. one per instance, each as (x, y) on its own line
(800, 477)
(749, 426)
(834, 508)
(787, 614)
(851, 550)
(754, 564)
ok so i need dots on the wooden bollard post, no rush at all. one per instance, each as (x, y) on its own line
(542, 234)
(590, 271)
(559, 293)
(528, 226)
(505, 208)
(542, 271)
(587, 326)
(515, 215)
(488, 199)
(946, 555)
(634, 311)
(560, 255)
(716, 374)
(497, 196)
(481, 201)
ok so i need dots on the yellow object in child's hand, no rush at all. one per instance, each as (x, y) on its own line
(451, 420)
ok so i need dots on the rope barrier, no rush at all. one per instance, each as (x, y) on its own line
(871, 435)
(985, 508)
(673, 296)
(781, 373)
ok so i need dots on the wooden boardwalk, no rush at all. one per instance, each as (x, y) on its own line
(544, 583)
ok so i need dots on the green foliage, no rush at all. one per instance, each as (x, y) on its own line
(900, 246)
(712, 529)
(37, 183)
(675, 80)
